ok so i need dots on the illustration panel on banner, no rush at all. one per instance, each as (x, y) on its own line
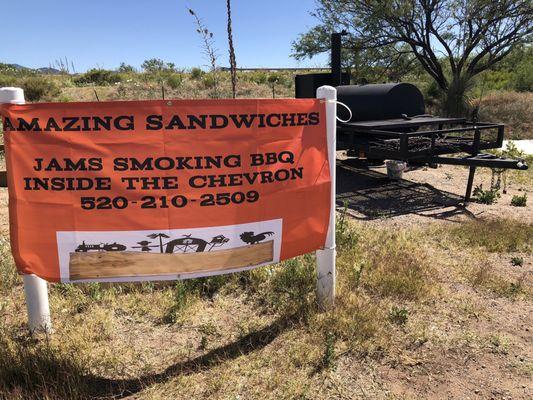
(116, 256)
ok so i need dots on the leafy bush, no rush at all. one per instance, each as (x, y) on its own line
(512, 151)
(519, 201)
(174, 81)
(6, 80)
(99, 77)
(196, 73)
(259, 77)
(485, 196)
(38, 88)
(209, 81)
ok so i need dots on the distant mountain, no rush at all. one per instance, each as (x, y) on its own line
(43, 70)
(17, 66)
(49, 70)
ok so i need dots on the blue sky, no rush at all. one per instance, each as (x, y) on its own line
(104, 33)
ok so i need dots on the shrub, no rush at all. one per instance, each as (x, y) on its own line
(519, 201)
(174, 81)
(259, 77)
(37, 88)
(485, 196)
(196, 73)
(99, 77)
(209, 81)
(6, 80)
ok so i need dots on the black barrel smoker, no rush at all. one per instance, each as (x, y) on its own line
(389, 121)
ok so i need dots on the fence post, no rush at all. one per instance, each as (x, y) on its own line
(35, 288)
(326, 276)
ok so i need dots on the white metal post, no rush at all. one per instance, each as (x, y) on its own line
(35, 288)
(36, 292)
(325, 257)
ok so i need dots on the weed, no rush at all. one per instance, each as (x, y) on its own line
(517, 261)
(328, 359)
(345, 233)
(208, 43)
(498, 344)
(398, 315)
(180, 301)
(290, 288)
(94, 290)
(519, 201)
(209, 81)
(204, 342)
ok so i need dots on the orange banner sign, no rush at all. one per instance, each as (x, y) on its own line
(146, 190)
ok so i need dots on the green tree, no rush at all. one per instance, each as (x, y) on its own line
(125, 68)
(452, 40)
(153, 65)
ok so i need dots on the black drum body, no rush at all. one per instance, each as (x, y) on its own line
(380, 101)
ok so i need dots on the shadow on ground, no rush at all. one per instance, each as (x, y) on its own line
(368, 194)
(104, 388)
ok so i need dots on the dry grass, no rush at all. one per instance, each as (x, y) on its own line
(258, 334)
(494, 235)
(483, 276)
(511, 108)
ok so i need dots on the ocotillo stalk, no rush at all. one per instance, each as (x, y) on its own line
(232, 62)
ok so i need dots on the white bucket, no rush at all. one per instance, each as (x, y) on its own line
(395, 169)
